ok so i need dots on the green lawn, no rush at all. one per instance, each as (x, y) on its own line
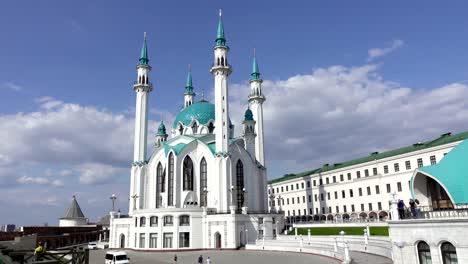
(334, 231)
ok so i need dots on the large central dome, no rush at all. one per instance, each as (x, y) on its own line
(202, 111)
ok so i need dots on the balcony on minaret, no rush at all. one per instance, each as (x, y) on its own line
(146, 87)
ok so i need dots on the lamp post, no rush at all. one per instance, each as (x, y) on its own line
(134, 197)
(246, 236)
(205, 197)
(308, 233)
(245, 197)
(342, 234)
(366, 241)
(113, 198)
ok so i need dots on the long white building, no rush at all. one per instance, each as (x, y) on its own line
(357, 189)
(203, 187)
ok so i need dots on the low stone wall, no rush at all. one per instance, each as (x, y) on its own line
(356, 224)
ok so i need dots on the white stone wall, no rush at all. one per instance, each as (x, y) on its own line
(300, 189)
(406, 235)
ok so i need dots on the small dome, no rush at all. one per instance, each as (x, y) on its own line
(161, 129)
(248, 116)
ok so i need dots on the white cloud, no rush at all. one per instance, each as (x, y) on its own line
(39, 181)
(338, 113)
(95, 173)
(380, 52)
(12, 86)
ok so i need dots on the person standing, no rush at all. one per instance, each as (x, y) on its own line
(401, 209)
(412, 205)
(200, 259)
(39, 251)
(208, 260)
(175, 258)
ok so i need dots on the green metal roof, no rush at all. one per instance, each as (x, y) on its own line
(144, 54)
(452, 172)
(220, 40)
(208, 140)
(248, 116)
(443, 139)
(201, 111)
(255, 71)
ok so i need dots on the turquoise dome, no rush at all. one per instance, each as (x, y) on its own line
(248, 116)
(161, 129)
(201, 111)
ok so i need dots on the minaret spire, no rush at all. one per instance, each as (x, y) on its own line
(220, 40)
(144, 52)
(256, 100)
(189, 94)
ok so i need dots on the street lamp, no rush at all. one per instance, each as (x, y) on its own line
(205, 197)
(246, 236)
(113, 198)
(342, 234)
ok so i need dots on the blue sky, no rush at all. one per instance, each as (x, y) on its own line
(66, 70)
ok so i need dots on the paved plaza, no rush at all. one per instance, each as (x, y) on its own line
(234, 257)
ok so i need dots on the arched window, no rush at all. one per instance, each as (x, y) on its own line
(222, 61)
(188, 174)
(160, 182)
(203, 181)
(449, 253)
(139, 79)
(136, 221)
(181, 129)
(147, 79)
(240, 183)
(153, 221)
(142, 221)
(424, 253)
(170, 184)
(218, 62)
(195, 128)
(210, 128)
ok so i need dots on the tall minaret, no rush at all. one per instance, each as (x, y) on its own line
(256, 100)
(142, 87)
(189, 94)
(221, 71)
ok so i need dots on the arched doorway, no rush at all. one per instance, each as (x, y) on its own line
(122, 241)
(217, 240)
(241, 238)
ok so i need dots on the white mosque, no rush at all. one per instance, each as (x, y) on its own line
(203, 187)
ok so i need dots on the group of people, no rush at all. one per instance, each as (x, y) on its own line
(413, 211)
(200, 259)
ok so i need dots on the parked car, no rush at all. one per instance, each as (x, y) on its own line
(92, 245)
(103, 245)
(117, 257)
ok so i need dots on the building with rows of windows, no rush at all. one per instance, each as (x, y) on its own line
(203, 187)
(360, 189)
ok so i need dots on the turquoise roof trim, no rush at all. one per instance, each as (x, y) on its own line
(255, 70)
(144, 53)
(452, 172)
(177, 148)
(443, 139)
(188, 84)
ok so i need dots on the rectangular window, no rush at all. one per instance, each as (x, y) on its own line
(292, 187)
(310, 198)
(352, 208)
(334, 179)
(321, 197)
(360, 191)
(366, 172)
(277, 189)
(337, 209)
(349, 176)
(368, 191)
(344, 208)
(420, 162)
(184, 239)
(302, 185)
(362, 207)
(289, 213)
(327, 180)
(287, 201)
(323, 210)
(328, 196)
(315, 197)
(294, 212)
(305, 212)
(343, 194)
(298, 201)
(329, 209)
(308, 184)
(303, 199)
(399, 186)
(433, 160)
(286, 188)
(260, 220)
(374, 171)
(153, 240)
(336, 195)
(379, 206)
(154, 221)
(282, 190)
(320, 182)
(142, 240)
(310, 211)
(370, 206)
(168, 220)
(297, 186)
(377, 189)
(408, 165)
(397, 167)
(292, 200)
(316, 210)
(385, 169)
(167, 240)
(389, 190)
(358, 174)
(315, 183)
(184, 220)
(341, 177)
(298, 212)
(351, 193)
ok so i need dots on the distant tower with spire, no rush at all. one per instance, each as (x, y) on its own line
(189, 94)
(161, 136)
(256, 99)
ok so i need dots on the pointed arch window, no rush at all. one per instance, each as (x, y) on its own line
(181, 129)
(210, 128)
(170, 183)
(161, 184)
(203, 181)
(222, 61)
(240, 183)
(195, 128)
(424, 253)
(188, 174)
(449, 253)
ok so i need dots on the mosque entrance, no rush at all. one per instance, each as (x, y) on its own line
(122, 241)
(218, 240)
(439, 198)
